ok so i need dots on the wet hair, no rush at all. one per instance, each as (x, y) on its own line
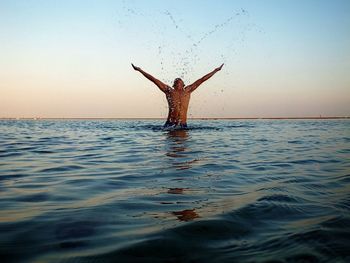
(178, 79)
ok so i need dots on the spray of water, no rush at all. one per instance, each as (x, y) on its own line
(180, 60)
(182, 50)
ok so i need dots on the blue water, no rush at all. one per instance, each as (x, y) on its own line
(221, 191)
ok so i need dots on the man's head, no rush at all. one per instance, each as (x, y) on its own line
(178, 84)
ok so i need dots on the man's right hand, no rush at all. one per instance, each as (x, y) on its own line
(135, 68)
(219, 68)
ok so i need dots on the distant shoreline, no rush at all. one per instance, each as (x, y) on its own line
(199, 118)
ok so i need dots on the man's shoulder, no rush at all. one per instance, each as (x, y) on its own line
(188, 88)
(169, 89)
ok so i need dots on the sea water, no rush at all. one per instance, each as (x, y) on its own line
(220, 191)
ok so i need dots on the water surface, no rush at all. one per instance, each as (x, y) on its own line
(221, 191)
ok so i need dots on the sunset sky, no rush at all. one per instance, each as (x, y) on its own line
(72, 58)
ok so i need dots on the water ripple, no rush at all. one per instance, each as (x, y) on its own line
(129, 191)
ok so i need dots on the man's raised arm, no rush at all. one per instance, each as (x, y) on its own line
(198, 82)
(163, 87)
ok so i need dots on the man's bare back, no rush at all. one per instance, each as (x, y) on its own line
(178, 96)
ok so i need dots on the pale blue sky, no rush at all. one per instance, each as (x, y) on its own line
(72, 58)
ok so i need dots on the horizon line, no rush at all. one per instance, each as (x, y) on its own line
(159, 118)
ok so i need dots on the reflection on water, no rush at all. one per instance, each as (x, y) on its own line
(177, 143)
(175, 190)
(177, 148)
(221, 191)
(186, 215)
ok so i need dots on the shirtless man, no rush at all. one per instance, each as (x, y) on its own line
(178, 97)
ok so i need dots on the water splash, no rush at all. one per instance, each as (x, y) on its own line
(180, 50)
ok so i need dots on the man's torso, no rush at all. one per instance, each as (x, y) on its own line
(178, 102)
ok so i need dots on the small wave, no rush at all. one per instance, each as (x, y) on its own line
(76, 229)
(10, 154)
(297, 180)
(161, 128)
(240, 126)
(295, 142)
(40, 197)
(282, 165)
(344, 151)
(51, 138)
(107, 138)
(344, 179)
(146, 127)
(42, 151)
(12, 176)
(346, 139)
(215, 229)
(186, 243)
(266, 210)
(72, 235)
(204, 128)
(307, 161)
(280, 198)
(61, 168)
(303, 257)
